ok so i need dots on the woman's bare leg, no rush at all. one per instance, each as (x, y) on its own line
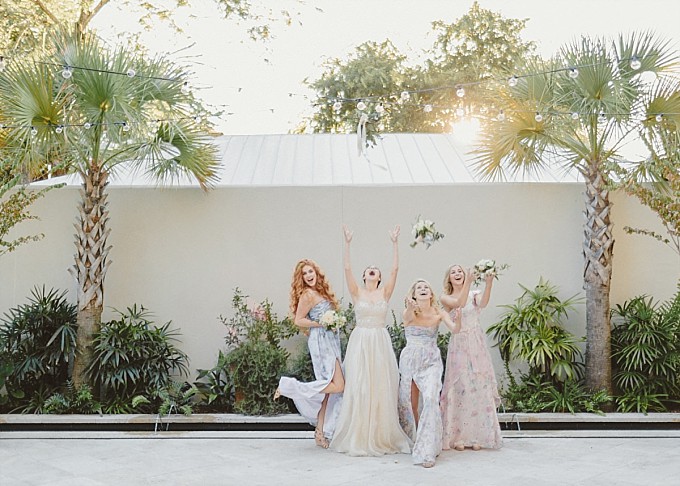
(337, 384)
(415, 398)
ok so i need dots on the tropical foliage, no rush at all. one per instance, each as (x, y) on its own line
(86, 108)
(576, 111)
(646, 354)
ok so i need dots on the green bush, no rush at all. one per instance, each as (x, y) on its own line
(646, 354)
(37, 343)
(72, 400)
(216, 387)
(131, 357)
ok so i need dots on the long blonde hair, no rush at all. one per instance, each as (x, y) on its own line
(448, 286)
(298, 286)
(412, 292)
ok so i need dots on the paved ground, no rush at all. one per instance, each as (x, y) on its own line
(291, 458)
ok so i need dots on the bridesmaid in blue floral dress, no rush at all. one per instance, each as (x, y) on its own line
(318, 401)
(421, 368)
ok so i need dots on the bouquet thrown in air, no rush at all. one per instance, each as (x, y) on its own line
(424, 232)
(486, 267)
(333, 320)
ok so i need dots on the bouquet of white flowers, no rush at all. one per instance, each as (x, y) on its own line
(424, 232)
(486, 267)
(333, 320)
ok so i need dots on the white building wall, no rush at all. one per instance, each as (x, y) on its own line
(181, 252)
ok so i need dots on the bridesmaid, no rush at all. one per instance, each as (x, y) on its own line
(369, 422)
(470, 394)
(318, 401)
(420, 365)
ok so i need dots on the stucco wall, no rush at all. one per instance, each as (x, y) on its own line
(181, 252)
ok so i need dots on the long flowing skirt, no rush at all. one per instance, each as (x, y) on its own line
(470, 394)
(324, 348)
(369, 422)
(422, 365)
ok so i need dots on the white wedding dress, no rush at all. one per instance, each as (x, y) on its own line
(368, 424)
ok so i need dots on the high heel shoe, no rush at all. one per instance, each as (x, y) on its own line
(277, 394)
(320, 440)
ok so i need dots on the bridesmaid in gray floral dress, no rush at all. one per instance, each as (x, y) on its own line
(319, 400)
(420, 366)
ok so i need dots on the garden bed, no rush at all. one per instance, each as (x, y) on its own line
(288, 422)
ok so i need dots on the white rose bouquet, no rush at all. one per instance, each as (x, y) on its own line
(424, 232)
(486, 267)
(332, 320)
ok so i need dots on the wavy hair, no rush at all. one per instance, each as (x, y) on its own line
(412, 292)
(448, 286)
(298, 285)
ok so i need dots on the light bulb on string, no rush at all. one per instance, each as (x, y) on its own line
(635, 63)
(659, 118)
(59, 129)
(573, 73)
(131, 73)
(67, 72)
(185, 87)
(87, 125)
(34, 131)
(337, 106)
(361, 106)
(3, 65)
(538, 117)
(512, 81)
(405, 96)
(574, 115)
(427, 108)
(602, 118)
(380, 109)
(126, 127)
(460, 92)
(501, 115)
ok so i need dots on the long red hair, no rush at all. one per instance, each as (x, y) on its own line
(298, 285)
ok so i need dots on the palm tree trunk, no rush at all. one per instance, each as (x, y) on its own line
(91, 264)
(598, 252)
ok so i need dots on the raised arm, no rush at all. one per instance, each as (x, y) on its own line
(391, 282)
(454, 327)
(349, 276)
(409, 313)
(484, 300)
(304, 305)
(451, 302)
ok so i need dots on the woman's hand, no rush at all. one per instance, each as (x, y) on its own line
(348, 234)
(394, 234)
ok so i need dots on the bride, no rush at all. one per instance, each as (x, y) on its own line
(368, 424)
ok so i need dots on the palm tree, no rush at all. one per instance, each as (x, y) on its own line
(87, 109)
(577, 111)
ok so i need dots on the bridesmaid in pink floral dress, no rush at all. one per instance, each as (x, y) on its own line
(469, 394)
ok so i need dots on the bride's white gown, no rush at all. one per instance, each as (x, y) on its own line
(368, 424)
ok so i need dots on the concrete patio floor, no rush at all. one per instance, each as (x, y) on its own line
(291, 458)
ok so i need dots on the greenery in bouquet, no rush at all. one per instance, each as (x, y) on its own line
(424, 232)
(486, 267)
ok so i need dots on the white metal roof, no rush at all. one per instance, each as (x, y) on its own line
(334, 159)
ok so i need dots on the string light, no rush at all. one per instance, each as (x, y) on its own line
(131, 73)
(427, 108)
(602, 118)
(361, 106)
(512, 81)
(405, 96)
(337, 106)
(59, 129)
(87, 125)
(574, 115)
(380, 109)
(501, 115)
(34, 131)
(460, 92)
(67, 72)
(538, 117)
(635, 63)
(659, 117)
(573, 73)
(3, 64)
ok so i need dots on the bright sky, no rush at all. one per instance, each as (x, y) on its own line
(269, 96)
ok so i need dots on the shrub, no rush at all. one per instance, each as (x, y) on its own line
(133, 357)
(37, 342)
(646, 354)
